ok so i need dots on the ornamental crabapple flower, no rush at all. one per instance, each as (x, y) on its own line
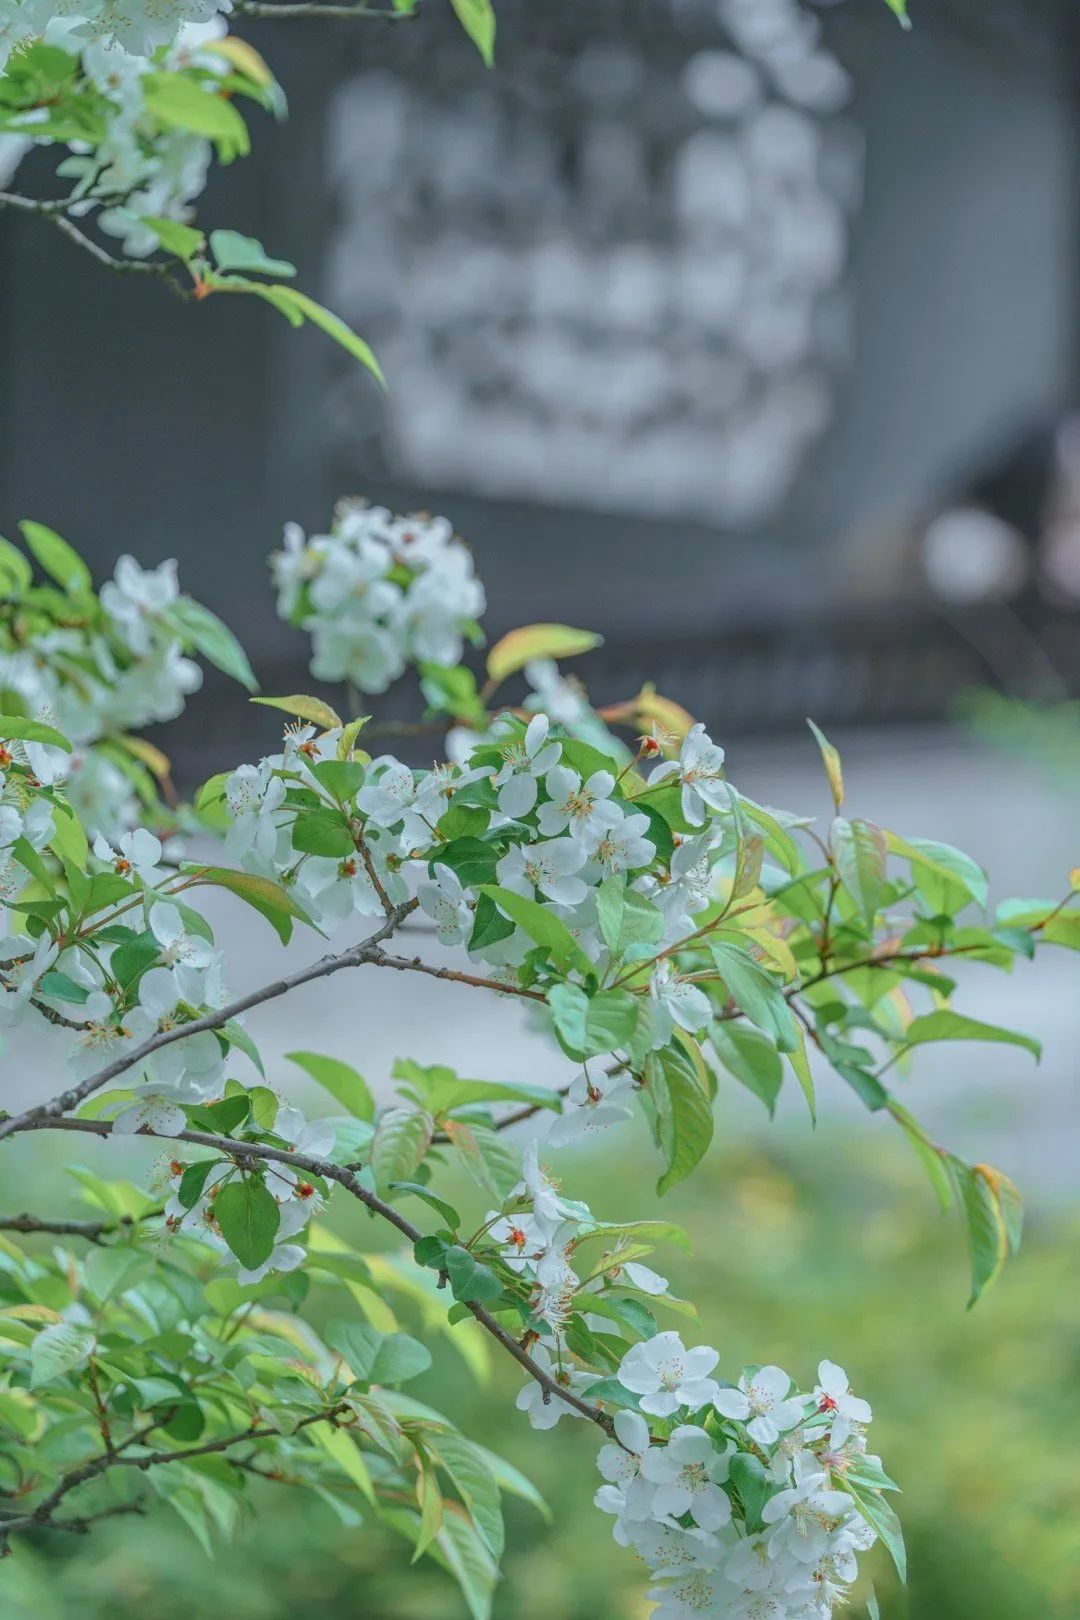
(761, 1402)
(185, 953)
(156, 1109)
(700, 1594)
(254, 796)
(619, 843)
(560, 696)
(833, 1395)
(389, 790)
(548, 867)
(524, 761)
(626, 1493)
(673, 1000)
(11, 825)
(806, 1515)
(543, 1192)
(666, 1375)
(543, 1412)
(574, 806)
(138, 853)
(135, 599)
(641, 1277)
(522, 1239)
(443, 900)
(699, 770)
(20, 970)
(592, 1105)
(687, 1474)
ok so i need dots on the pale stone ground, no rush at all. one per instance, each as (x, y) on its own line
(988, 1102)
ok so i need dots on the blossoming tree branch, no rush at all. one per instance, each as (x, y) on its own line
(595, 865)
(209, 1328)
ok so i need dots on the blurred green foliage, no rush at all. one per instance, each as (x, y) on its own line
(802, 1249)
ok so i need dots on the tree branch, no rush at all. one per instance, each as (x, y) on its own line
(328, 1171)
(366, 951)
(52, 211)
(94, 1231)
(264, 9)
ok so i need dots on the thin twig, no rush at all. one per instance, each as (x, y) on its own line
(94, 1231)
(315, 8)
(366, 951)
(328, 1171)
(50, 211)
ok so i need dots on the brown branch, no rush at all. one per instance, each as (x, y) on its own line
(416, 964)
(328, 1171)
(366, 951)
(51, 211)
(314, 8)
(93, 1231)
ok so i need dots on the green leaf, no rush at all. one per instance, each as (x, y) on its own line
(312, 709)
(248, 1217)
(468, 1560)
(992, 1213)
(58, 1349)
(181, 103)
(945, 1025)
(471, 859)
(532, 641)
(472, 1478)
(59, 560)
(439, 1205)
(469, 1279)
(590, 1025)
(15, 572)
(193, 1181)
(60, 988)
(377, 1358)
(341, 1080)
(15, 728)
(751, 1058)
(402, 1137)
(859, 850)
(268, 898)
(900, 12)
(323, 832)
(683, 1112)
(831, 760)
(751, 1479)
(626, 917)
(184, 241)
(877, 1512)
(205, 632)
(542, 926)
(756, 994)
(489, 925)
(235, 252)
(298, 307)
(944, 876)
(343, 1451)
(477, 17)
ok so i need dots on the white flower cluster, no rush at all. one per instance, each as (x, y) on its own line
(730, 1494)
(562, 834)
(298, 1200)
(377, 593)
(92, 682)
(135, 26)
(683, 1491)
(127, 175)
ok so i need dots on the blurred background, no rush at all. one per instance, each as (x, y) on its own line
(745, 332)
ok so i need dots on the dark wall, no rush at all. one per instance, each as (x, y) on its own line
(131, 421)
